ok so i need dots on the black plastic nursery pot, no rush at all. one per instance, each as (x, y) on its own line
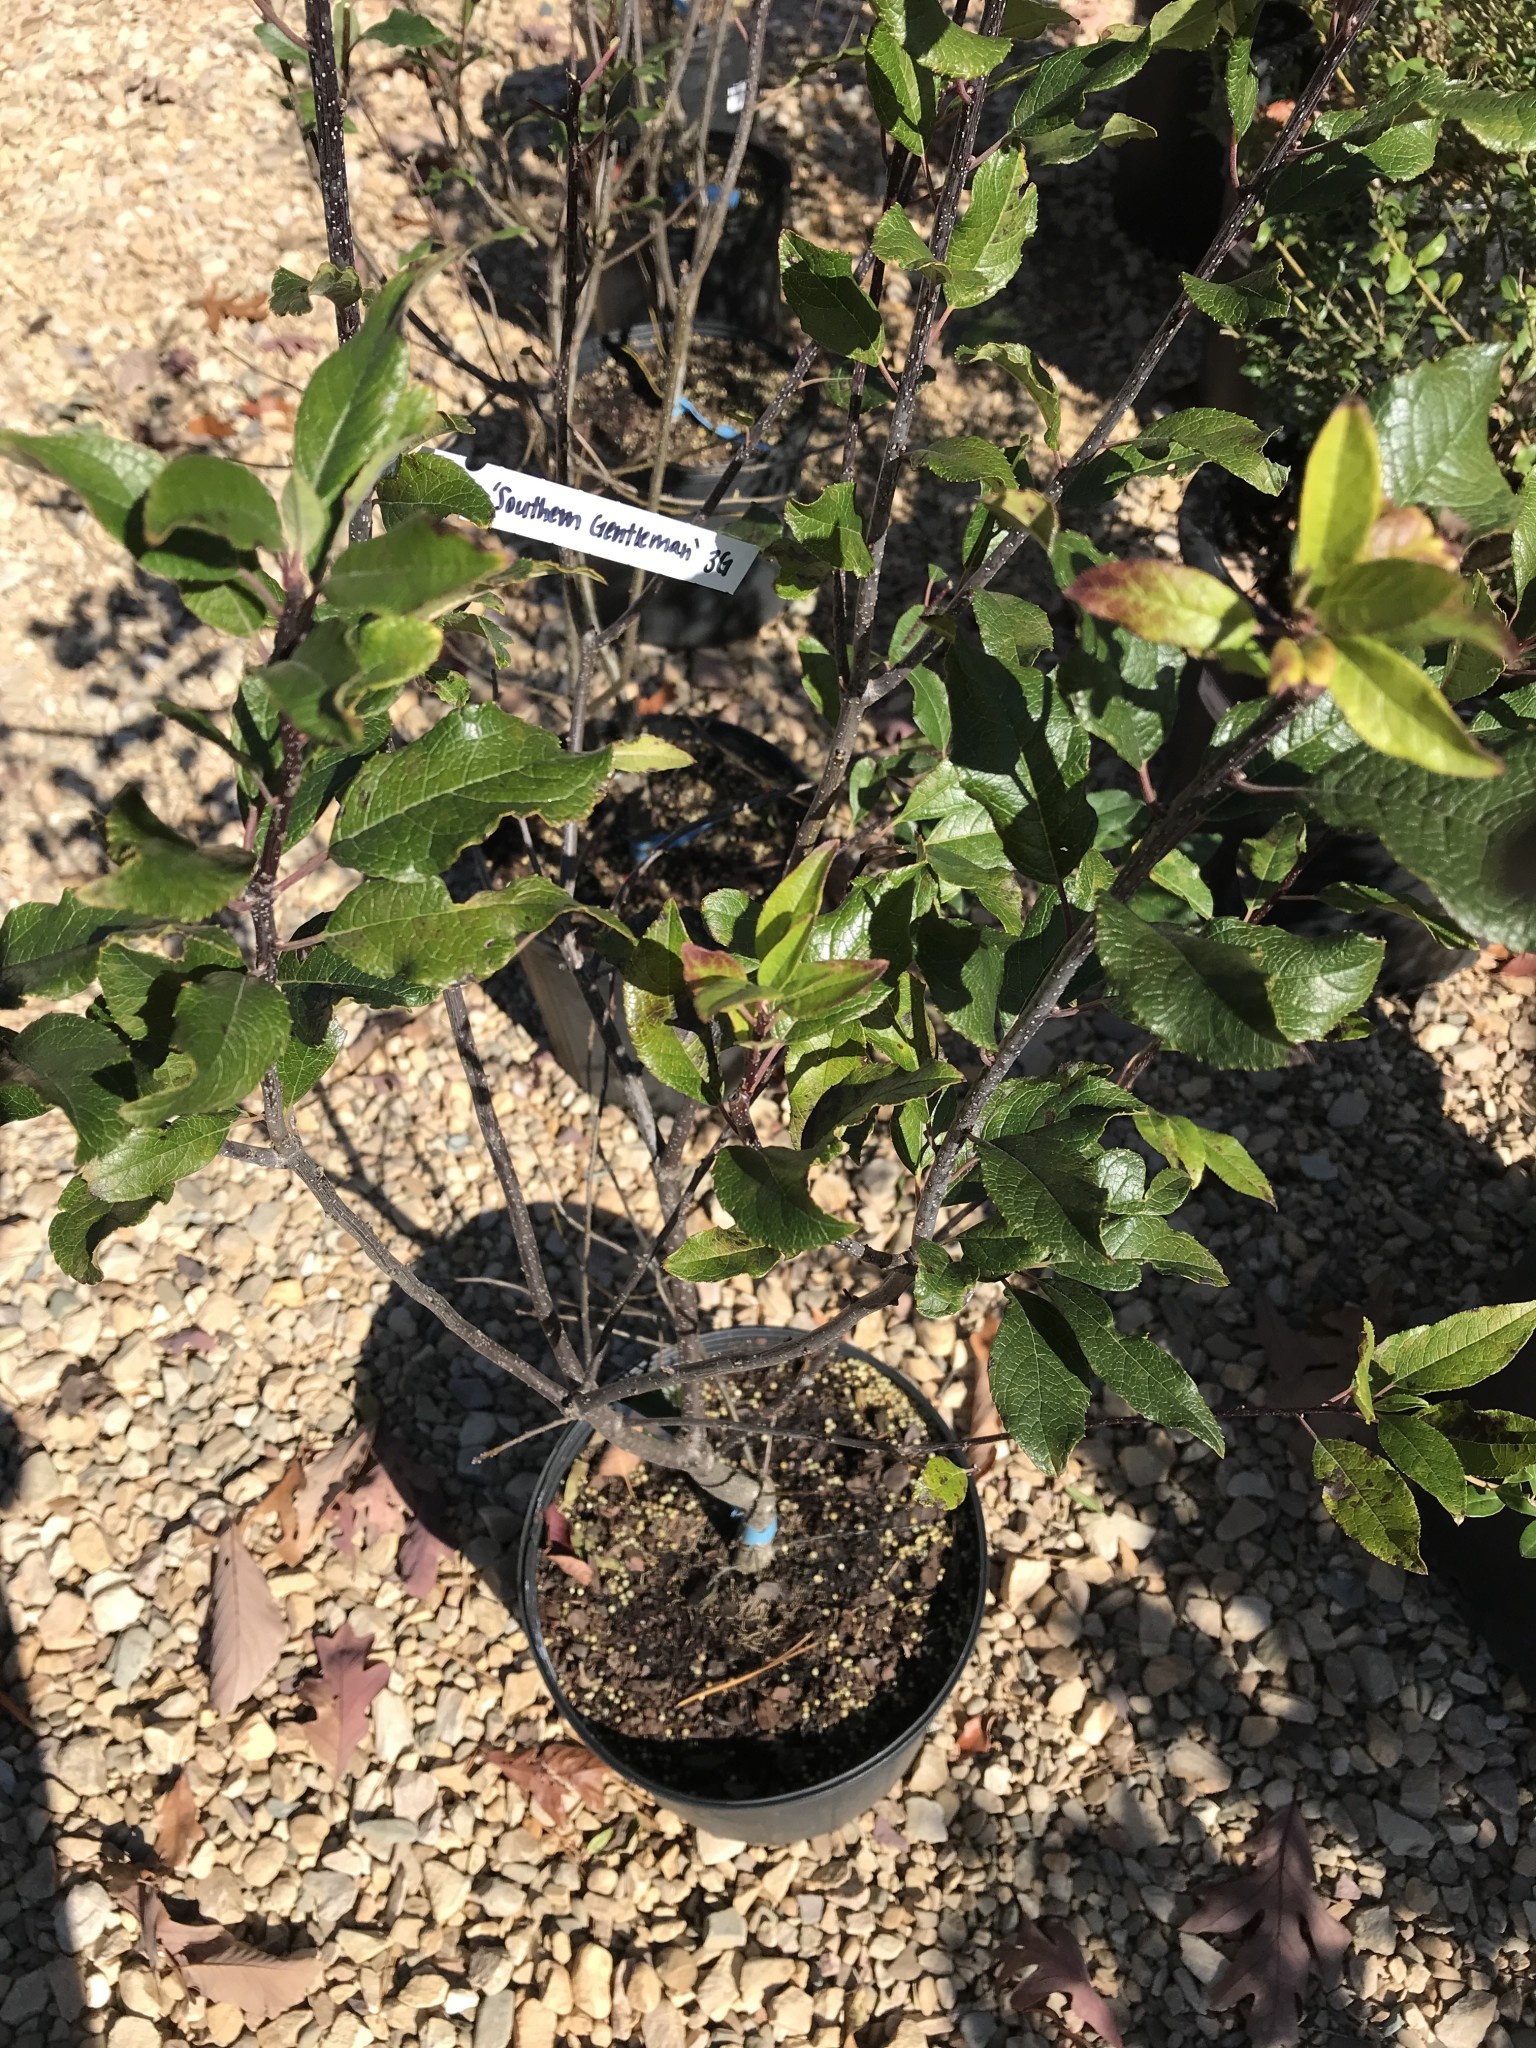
(701, 1779)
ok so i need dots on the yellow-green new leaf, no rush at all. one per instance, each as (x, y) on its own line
(1340, 492)
(1395, 708)
(1460, 1351)
(1369, 1501)
(1166, 602)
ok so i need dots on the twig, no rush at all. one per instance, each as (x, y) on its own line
(331, 152)
(706, 1692)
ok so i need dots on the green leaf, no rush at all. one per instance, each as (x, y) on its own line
(315, 1039)
(1385, 596)
(1025, 368)
(148, 1163)
(851, 1101)
(1069, 144)
(1477, 852)
(1042, 1399)
(927, 34)
(1018, 751)
(1177, 873)
(721, 1255)
(764, 1191)
(897, 242)
(227, 607)
(288, 295)
(390, 651)
(109, 475)
(784, 922)
(825, 298)
(1369, 1501)
(230, 1027)
(409, 813)
(903, 94)
(51, 949)
(1436, 1358)
(1192, 1147)
(939, 1286)
(81, 1222)
(1406, 151)
(1047, 1189)
(1178, 445)
(1239, 303)
(1340, 493)
(1236, 995)
(1522, 539)
(1151, 1239)
(1422, 1454)
(988, 239)
(944, 1482)
(313, 684)
(426, 482)
(647, 755)
(1168, 602)
(1433, 424)
(403, 29)
(829, 528)
(417, 567)
(967, 459)
(211, 495)
(1391, 704)
(347, 413)
(1503, 121)
(1363, 900)
(161, 874)
(78, 1065)
(1492, 1443)
(415, 932)
(1136, 1369)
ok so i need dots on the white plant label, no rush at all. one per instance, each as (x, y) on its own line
(610, 529)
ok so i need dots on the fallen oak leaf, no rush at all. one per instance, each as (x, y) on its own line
(341, 1697)
(280, 1499)
(418, 1558)
(326, 1475)
(981, 1416)
(1054, 1962)
(227, 1971)
(177, 1827)
(1287, 1932)
(207, 426)
(557, 1776)
(370, 1508)
(246, 1627)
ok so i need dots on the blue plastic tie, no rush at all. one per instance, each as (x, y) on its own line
(756, 1538)
(685, 408)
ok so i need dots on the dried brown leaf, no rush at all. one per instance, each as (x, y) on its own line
(574, 1567)
(280, 1500)
(326, 1475)
(981, 1416)
(177, 1827)
(368, 1510)
(617, 1463)
(418, 1558)
(1054, 1962)
(1287, 1932)
(973, 1738)
(556, 1776)
(341, 1697)
(246, 1627)
(209, 1959)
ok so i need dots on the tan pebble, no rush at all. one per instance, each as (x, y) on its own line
(1022, 1579)
(642, 1988)
(423, 1992)
(285, 1294)
(1257, 1730)
(139, 1991)
(90, 1549)
(134, 2033)
(254, 1740)
(63, 1623)
(662, 2027)
(263, 1860)
(224, 2024)
(557, 1992)
(1096, 1723)
(1067, 1699)
(592, 1981)
(535, 2024)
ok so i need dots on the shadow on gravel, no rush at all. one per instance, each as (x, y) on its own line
(41, 1997)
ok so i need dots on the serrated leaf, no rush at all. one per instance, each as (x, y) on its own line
(78, 1065)
(288, 295)
(423, 481)
(51, 949)
(1406, 151)
(1136, 1369)
(211, 495)
(1178, 445)
(1362, 899)
(348, 412)
(419, 566)
(851, 1101)
(1460, 1351)
(109, 475)
(939, 1286)
(1239, 303)
(988, 239)
(1166, 602)
(81, 1222)
(1046, 1187)
(925, 31)
(1194, 1148)
(764, 1191)
(943, 1482)
(830, 529)
(1017, 752)
(1042, 1399)
(1369, 1500)
(1340, 492)
(1385, 596)
(1025, 368)
(159, 873)
(897, 242)
(1503, 121)
(1493, 1444)
(1147, 1238)
(408, 814)
(967, 459)
(415, 932)
(1391, 704)
(1422, 1454)
(1235, 995)
(903, 94)
(1433, 427)
(231, 1027)
(721, 1255)
(827, 300)
(149, 1163)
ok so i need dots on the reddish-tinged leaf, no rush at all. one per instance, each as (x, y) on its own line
(246, 1627)
(418, 1558)
(341, 1697)
(557, 1544)
(557, 1776)
(1167, 602)
(1521, 968)
(217, 307)
(370, 1509)
(326, 1475)
(177, 1827)
(1054, 1962)
(1287, 1933)
(557, 1527)
(210, 1960)
(981, 1416)
(207, 426)
(574, 1567)
(279, 1500)
(188, 1340)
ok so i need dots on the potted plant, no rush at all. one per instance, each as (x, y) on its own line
(943, 898)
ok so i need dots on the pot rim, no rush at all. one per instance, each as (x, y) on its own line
(559, 1461)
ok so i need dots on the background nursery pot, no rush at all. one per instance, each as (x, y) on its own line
(692, 1777)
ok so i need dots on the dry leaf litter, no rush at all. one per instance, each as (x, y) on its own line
(1175, 1649)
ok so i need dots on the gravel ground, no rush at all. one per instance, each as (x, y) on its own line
(1174, 1646)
